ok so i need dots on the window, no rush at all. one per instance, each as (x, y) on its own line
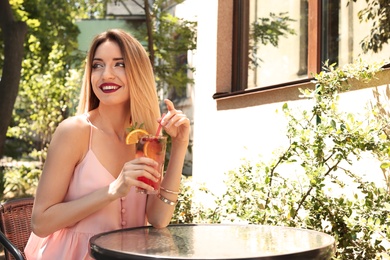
(282, 42)
(277, 42)
(343, 33)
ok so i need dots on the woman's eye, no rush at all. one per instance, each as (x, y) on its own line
(97, 65)
(120, 64)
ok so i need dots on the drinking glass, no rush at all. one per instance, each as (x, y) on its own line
(153, 147)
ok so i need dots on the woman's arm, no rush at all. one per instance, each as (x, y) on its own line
(177, 125)
(68, 147)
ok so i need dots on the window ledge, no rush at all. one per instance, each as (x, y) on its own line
(284, 92)
(261, 96)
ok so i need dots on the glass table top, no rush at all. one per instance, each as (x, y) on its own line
(214, 242)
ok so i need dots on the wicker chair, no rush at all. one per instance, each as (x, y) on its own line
(15, 224)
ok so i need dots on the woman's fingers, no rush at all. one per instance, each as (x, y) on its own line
(169, 104)
(175, 122)
(142, 167)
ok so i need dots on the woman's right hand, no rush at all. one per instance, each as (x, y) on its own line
(131, 171)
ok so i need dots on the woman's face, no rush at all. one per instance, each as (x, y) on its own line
(108, 76)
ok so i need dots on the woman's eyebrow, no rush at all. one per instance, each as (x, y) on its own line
(115, 59)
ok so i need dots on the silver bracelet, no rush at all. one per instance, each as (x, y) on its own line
(165, 200)
(169, 191)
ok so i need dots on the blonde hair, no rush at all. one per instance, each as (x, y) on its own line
(144, 104)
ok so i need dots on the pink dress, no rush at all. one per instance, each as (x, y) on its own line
(72, 242)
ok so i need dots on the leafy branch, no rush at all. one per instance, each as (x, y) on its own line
(323, 144)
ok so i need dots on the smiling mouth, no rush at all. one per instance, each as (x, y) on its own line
(109, 88)
(104, 88)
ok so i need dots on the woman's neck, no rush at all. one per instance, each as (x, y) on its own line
(113, 121)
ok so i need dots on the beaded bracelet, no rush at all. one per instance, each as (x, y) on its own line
(165, 200)
(170, 191)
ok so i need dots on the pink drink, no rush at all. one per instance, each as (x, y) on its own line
(153, 147)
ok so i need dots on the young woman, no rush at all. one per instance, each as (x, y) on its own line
(90, 175)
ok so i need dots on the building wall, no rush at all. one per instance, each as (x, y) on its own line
(247, 126)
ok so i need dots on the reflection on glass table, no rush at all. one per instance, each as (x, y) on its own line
(212, 242)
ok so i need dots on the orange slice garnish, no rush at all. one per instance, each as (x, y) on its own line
(154, 149)
(134, 136)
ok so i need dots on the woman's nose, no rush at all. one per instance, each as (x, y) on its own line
(108, 73)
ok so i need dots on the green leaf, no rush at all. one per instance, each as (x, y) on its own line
(333, 124)
(385, 165)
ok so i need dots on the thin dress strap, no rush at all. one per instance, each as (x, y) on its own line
(90, 133)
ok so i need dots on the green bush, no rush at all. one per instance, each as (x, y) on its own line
(360, 224)
(311, 184)
(19, 179)
(187, 209)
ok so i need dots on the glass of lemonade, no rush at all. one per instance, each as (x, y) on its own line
(153, 147)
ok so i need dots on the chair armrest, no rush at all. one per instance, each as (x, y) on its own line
(10, 247)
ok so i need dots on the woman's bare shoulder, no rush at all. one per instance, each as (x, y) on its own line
(70, 140)
(74, 127)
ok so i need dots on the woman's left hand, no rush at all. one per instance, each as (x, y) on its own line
(175, 123)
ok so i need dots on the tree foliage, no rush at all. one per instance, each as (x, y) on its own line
(169, 39)
(49, 74)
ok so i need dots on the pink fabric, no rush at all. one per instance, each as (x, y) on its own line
(72, 242)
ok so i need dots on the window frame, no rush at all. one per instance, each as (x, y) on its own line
(240, 40)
